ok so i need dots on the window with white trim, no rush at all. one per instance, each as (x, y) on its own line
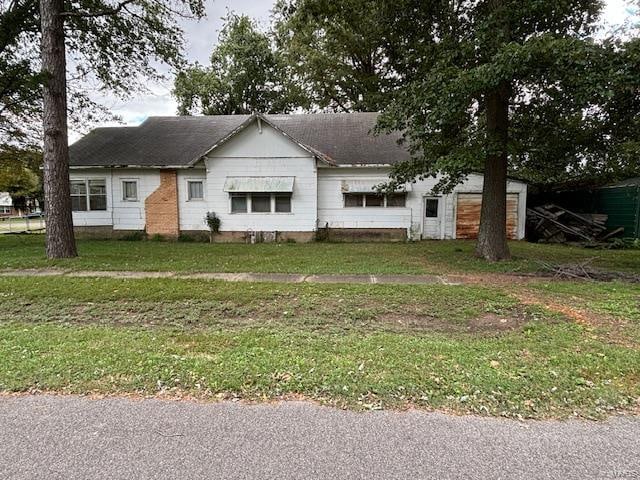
(4, 209)
(195, 190)
(130, 190)
(375, 200)
(260, 202)
(89, 194)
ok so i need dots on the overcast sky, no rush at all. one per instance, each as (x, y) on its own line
(201, 36)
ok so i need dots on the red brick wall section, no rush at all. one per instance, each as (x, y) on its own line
(161, 207)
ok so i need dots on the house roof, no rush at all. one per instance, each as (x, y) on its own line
(335, 138)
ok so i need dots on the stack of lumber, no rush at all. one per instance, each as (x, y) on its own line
(553, 223)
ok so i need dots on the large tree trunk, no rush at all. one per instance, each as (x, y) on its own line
(57, 199)
(492, 236)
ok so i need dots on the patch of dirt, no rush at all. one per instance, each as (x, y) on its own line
(497, 323)
(417, 321)
(488, 323)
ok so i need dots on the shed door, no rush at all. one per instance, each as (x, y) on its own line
(468, 215)
(432, 217)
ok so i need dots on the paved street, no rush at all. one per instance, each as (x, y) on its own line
(45, 437)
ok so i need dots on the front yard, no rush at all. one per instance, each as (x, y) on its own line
(435, 257)
(536, 349)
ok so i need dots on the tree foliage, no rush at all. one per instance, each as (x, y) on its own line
(246, 74)
(110, 46)
(574, 101)
(20, 175)
(570, 101)
(338, 51)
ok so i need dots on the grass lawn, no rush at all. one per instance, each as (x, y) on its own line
(551, 349)
(434, 257)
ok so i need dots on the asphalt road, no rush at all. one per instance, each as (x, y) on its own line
(44, 437)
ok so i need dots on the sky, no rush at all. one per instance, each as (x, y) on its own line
(201, 36)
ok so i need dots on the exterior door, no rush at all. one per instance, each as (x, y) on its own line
(432, 218)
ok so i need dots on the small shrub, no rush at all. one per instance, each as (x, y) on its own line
(213, 222)
(157, 238)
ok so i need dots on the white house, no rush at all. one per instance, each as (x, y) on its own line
(6, 205)
(268, 177)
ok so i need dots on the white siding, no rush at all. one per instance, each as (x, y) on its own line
(331, 210)
(192, 212)
(252, 153)
(130, 215)
(122, 215)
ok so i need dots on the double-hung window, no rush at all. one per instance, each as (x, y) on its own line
(89, 195)
(260, 202)
(130, 190)
(195, 190)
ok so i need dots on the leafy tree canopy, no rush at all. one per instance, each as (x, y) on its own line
(20, 174)
(338, 51)
(573, 100)
(246, 74)
(110, 46)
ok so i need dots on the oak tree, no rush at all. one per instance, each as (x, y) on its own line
(246, 74)
(509, 85)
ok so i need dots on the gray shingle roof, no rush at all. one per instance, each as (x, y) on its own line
(345, 138)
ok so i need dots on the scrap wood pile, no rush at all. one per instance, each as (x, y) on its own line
(552, 223)
(584, 271)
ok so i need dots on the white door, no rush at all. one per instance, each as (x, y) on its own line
(432, 211)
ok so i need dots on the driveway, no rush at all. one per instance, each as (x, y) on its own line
(48, 437)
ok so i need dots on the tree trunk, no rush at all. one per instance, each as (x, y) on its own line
(57, 197)
(492, 236)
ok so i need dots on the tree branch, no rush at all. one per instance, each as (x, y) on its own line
(100, 13)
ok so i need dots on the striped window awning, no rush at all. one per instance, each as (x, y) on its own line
(259, 184)
(368, 186)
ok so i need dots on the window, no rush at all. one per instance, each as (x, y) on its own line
(396, 200)
(78, 195)
(431, 208)
(352, 200)
(283, 203)
(260, 202)
(375, 200)
(195, 190)
(238, 203)
(88, 195)
(130, 190)
(5, 209)
(97, 194)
